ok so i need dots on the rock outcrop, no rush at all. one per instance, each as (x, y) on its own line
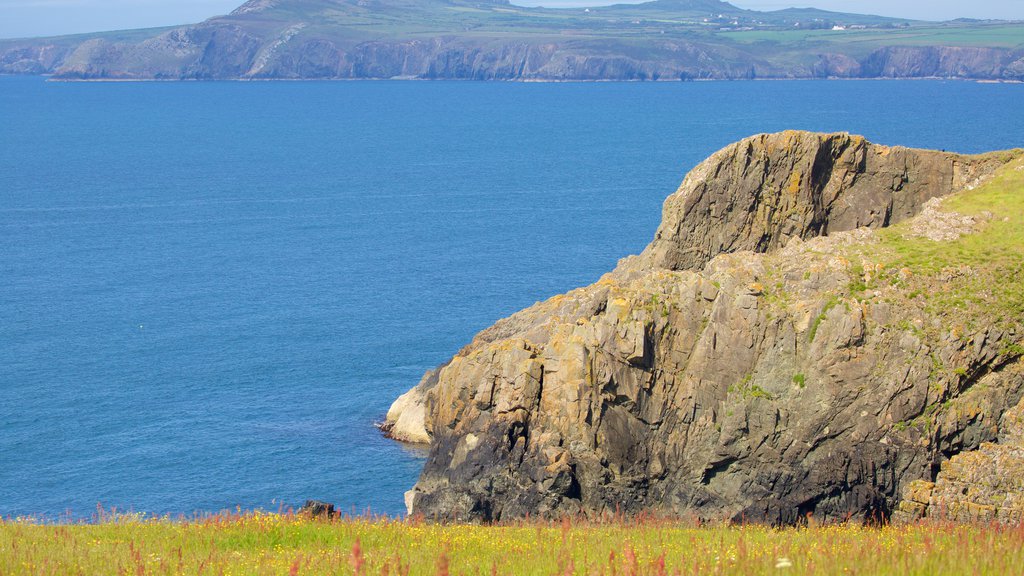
(982, 485)
(763, 359)
(761, 193)
(406, 420)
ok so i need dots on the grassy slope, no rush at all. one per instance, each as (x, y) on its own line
(972, 282)
(284, 544)
(397, 18)
(645, 22)
(995, 255)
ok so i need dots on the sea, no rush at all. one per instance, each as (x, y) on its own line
(211, 292)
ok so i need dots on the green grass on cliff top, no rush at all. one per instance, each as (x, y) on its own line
(274, 544)
(980, 274)
(999, 203)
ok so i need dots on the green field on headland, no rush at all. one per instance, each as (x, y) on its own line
(999, 34)
(262, 543)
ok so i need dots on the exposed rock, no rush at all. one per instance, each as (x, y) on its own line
(406, 419)
(739, 368)
(941, 62)
(982, 485)
(317, 509)
(939, 225)
(760, 193)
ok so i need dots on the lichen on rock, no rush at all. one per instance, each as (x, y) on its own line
(983, 485)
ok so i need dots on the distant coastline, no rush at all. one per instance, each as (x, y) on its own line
(662, 40)
(50, 78)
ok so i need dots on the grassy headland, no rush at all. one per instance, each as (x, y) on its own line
(439, 39)
(262, 543)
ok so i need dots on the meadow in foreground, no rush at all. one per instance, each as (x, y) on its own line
(264, 543)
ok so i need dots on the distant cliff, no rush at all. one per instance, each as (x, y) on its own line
(462, 39)
(813, 330)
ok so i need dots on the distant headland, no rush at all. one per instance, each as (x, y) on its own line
(661, 40)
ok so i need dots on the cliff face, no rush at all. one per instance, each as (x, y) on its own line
(745, 365)
(450, 39)
(229, 51)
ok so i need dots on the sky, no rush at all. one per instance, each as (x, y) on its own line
(22, 18)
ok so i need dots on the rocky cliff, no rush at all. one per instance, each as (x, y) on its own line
(811, 331)
(460, 39)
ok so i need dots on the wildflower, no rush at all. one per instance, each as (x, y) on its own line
(357, 560)
(442, 564)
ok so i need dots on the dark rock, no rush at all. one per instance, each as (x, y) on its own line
(983, 485)
(317, 509)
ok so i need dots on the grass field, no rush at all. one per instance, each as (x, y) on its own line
(262, 543)
(989, 35)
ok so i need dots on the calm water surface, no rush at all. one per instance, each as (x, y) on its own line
(209, 292)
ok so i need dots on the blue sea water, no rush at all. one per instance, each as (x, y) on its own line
(209, 292)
